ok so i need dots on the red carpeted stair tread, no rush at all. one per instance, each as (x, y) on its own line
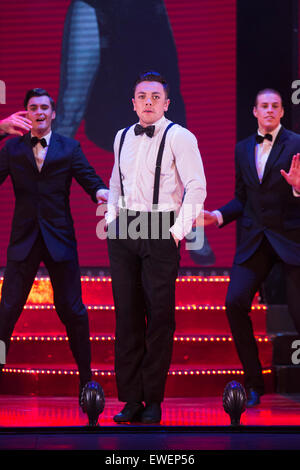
(98, 290)
(204, 319)
(204, 357)
(200, 349)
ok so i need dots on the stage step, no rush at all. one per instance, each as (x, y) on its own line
(196, 349)
(287, 379)
(286, 362)
(192, 381)
(198, 290)
(190, 319)
(204, 358)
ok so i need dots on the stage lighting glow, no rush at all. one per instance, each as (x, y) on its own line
(178, 339)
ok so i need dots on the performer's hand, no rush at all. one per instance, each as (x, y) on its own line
(102, 196)
(207, 218)
(16, 124)
(293, 176)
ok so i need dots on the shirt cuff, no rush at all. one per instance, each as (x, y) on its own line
(295, 193)
(219, 216)
(175, 232)
(111, 213)
(101, 192)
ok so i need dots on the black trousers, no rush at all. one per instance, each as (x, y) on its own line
(144, 273)
(65, 279)
(245, 280)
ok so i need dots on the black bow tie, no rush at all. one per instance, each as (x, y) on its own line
(149, 130)
(35, 140)
(260, 138)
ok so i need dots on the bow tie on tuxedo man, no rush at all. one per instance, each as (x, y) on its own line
(35, 140)
(260, 138)
(149, 130)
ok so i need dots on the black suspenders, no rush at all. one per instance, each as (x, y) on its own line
(120, 148)
(157, 167)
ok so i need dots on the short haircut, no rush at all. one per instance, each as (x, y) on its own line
(268, 90)
(152, 76)
(38, 92)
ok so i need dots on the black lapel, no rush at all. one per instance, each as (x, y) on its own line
(250, 146)
(277, 148)
(27, 147)
(52, 150)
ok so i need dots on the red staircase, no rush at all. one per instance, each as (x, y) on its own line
(204, 357)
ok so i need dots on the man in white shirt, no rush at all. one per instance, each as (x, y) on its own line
(145, 197)
(267, 207)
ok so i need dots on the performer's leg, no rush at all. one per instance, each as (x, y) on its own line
(18, 279)
(245, 280)
(129, 303)
(66, 283)
(159, 273)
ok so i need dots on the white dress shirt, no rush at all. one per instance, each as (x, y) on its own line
(40, 152)
(262, 152)
(182, 174)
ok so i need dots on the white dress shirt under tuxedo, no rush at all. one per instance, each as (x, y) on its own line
(40, 152)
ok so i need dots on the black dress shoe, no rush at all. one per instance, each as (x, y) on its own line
(253, 398)
(130, 413)
(151, 413)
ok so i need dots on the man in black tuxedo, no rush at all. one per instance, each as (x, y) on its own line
(42, 165)
(267, 208)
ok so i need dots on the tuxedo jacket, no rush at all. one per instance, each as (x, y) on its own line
(42, 199)
(268, 208)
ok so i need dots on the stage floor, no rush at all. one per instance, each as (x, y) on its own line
(57, 423)
(24, 411)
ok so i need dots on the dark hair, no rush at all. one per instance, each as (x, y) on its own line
(38, 92)
(268, 90)
(152, 76)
